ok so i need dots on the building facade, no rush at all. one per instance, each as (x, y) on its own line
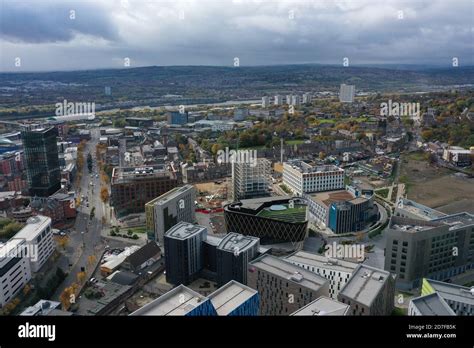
(184, 252)
(301, 177)
(167, 210)
(233, 255)
(42, 161)
(283, 287)
(132, 187)
(251, 179)
(15, 270)
(437, 249)
(346, 93)
(278, 219)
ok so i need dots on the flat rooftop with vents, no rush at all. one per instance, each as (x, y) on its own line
(286, 270)
(365, 284)
(184, 230)
(432, 304)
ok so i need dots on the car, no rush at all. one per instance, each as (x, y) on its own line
(93, 280)
(62, 233)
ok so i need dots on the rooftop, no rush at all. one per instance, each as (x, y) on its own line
(323, 306)
(420, 210)
(230, 296)
(285, 269)
(34, 225)
(124, 174)
(307, 168)
(453, 292)
(184, 230)
(173, 193)
(365, 284)
(327, 198)
(321, 261)
(432, 304)
(179, 301)
(234, 241)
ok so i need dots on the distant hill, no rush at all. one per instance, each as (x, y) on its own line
(152, 85)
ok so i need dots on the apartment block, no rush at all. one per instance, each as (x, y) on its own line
(283, 287)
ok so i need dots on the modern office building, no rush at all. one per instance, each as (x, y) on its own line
(346, 93)
(369, 291)
(42, 161)
(167, 210)
(235, 299)
(177, 118)
(181, 301)
(437, 249)
(251, 179)
(233, 255)
(132, 187)
(323, 306)
(337, 272)
(459, 298)
(342, 211)
(301, 177)
(279, 219)
(431, 304)
(283, 287)
(184, 252)
(15, 270)
(265, 102)
(38, 235)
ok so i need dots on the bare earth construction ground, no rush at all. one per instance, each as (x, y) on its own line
(437, 188)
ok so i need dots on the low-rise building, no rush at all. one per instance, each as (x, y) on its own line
(432, 304)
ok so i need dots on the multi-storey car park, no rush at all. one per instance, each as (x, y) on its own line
(280, 219)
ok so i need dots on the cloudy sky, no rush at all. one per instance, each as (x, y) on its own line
(89, 34)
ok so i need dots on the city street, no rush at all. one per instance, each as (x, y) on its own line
(85, 238)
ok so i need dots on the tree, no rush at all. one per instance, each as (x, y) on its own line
(104, 194)
(63, 241)
(129, 232)
(81, 276)
(91, 259)
(68, 296)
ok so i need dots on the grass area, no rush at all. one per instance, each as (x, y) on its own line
(417, 156)
(399, 311)
(296, 214)
(470, 284)
(9, 227)
(382, 192)
(139, 229)
(294, 142)
(286, 189)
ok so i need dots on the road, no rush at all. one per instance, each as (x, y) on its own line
(85, 238)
